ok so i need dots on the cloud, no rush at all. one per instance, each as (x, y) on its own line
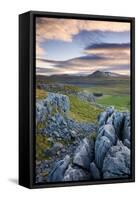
(106, 57)
(40, 52)
(47, 71)
(116, 52)
(108, 45)
(66, 29)
(91, 57)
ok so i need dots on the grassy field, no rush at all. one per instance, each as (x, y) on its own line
(117, 89)
(115, 94)
(82, 110)
(121, 103)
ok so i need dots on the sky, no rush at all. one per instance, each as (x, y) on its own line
(80, 47)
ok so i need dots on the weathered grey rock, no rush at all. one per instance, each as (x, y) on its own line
(86, 159)
(127, 143)
(40, 112)
(102, 118)
(73, 134)
(95, 173)
(110, 119)
(54, 149)
(126, 129)
(118, 118)
(58, 171)
(86, 96)
(50, 139)
(84, 153)
(60, 119)
(55, 133)
(110, 110)
(76, 174)
(80, 127)
(117, 162)
(52, 112)
(59, 101)
(49, 152)
(57, 146)
(108, 131)
(102, 146)
(52, 104)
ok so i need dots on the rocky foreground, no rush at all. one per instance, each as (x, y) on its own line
(80, 150)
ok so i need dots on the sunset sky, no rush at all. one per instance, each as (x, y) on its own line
(80, 47)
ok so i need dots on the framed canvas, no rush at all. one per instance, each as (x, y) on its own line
(76, 99)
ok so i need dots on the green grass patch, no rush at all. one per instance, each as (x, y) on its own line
(121, 102)
(42, 143)
(82, 110)
(116, 89)
(115, 93)
(40, 94)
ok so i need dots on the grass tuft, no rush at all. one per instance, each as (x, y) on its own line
(83, 111)
(40, 94)
(42, 143)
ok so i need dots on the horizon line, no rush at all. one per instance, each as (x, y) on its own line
(82, 74)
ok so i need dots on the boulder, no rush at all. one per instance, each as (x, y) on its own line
(58, 171)
(118, 119)
(95, 173)
(108, 131)
(102, 146)
(57, 146)
(102, 118)
(110, 120)
(127, 143)
(73, 133)
(110, 110)
(41, 111)
(76, 174)
(50, 152)
(84, 153)
(52, 104)
(126, 129)
(86, 96)
(59, 101)
(117, 162)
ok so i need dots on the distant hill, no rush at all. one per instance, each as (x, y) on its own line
(97, 77)
(95, 74)
(101, 74)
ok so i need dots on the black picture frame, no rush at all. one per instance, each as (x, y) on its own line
(27, 97)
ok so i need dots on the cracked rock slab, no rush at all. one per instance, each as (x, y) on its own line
(117, 162)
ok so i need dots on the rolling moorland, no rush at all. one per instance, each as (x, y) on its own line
(82, 124)
(115, 89)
